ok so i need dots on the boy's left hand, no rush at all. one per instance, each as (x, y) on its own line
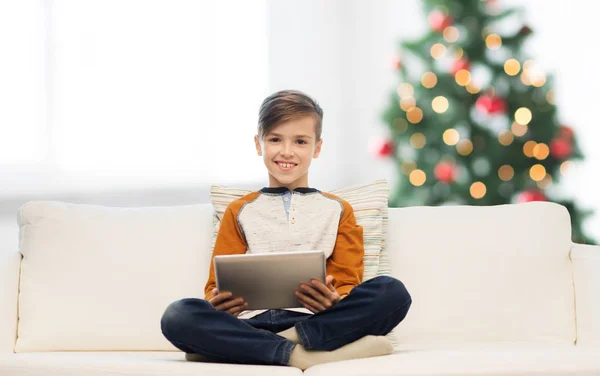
(319, 296)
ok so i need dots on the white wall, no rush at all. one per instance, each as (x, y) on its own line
(340, 51)
(305, 54)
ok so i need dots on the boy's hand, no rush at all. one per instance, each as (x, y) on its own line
(319, 296)
(226, 302)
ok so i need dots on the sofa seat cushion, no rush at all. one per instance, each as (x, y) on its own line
(474, 359)
(125, 364)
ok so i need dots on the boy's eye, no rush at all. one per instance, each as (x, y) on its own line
(274, 139)
(301, 142)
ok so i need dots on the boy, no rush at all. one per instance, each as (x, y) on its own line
(342, 317)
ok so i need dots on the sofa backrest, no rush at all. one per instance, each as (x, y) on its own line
(480, 274)
(100, 278)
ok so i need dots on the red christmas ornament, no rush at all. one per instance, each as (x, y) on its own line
(566, 132)
(530, 196)
(461, 64)
(439, 20)
(490, 104)
(396, 63)
(382, 148)
(561, 148)
(445, 172)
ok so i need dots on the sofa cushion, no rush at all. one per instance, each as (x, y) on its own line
(509, 359)
(479, 274)
(126, 364)
(586, 275)
(100, 278)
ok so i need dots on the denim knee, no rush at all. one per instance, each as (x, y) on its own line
(392, 293)
(177, 315)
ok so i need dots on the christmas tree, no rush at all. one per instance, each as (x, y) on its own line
(472, 119)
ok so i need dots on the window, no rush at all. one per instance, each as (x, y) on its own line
(131, 93)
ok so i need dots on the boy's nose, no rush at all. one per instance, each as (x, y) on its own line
(288, 150)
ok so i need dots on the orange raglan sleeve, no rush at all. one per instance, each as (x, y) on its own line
(346, 261)
(229, 242)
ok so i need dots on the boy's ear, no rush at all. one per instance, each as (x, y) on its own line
(318, 149)
(258, 147)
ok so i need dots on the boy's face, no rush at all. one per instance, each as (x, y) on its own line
(287, 151)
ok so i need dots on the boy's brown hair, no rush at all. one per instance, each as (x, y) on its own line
(287, 105)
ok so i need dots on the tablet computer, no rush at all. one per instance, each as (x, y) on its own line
(268, 280)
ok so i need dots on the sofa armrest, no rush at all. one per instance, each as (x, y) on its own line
(9, 292)
(586, 275)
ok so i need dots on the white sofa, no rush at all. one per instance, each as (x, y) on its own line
(496, 290)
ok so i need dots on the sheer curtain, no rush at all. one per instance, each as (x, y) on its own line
(132, 93)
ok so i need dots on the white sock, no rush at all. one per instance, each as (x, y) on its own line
(366, 347)
(290, 334)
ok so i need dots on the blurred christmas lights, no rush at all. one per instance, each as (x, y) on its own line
(506, 172)
(414, 115)
(523, 116)
(418, 140)
(464, 147)
(417, 177)
(438, 51)
(478, 190)
(428, 80)
(512, 67)
(439, 104)
(451, 137)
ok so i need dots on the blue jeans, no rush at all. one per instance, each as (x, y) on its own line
(374, 307)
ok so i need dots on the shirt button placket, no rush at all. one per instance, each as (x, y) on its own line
(292, 213)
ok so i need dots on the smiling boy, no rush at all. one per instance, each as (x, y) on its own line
(343, 317)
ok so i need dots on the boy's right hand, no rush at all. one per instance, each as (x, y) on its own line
(225, 301)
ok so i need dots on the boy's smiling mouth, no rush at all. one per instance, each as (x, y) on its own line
(285, 166)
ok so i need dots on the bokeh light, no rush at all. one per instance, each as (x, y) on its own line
(565, 166)
(407, 103)
(400, 125)
(506, 172)
(518, 129)
(418, 140)
(512, 67)
(541, 151)
(523, 116)
(451, 34)
(451, 136)
(537, 172)
(406, 90)
(506, 138)
(463, 77)
(478, 190)
(417, 177)
(473, 89)
(414, 115)
(438, 51)
(493, 41)
(528, 148)
(439, 104)
(464, 147)
(428, 80)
